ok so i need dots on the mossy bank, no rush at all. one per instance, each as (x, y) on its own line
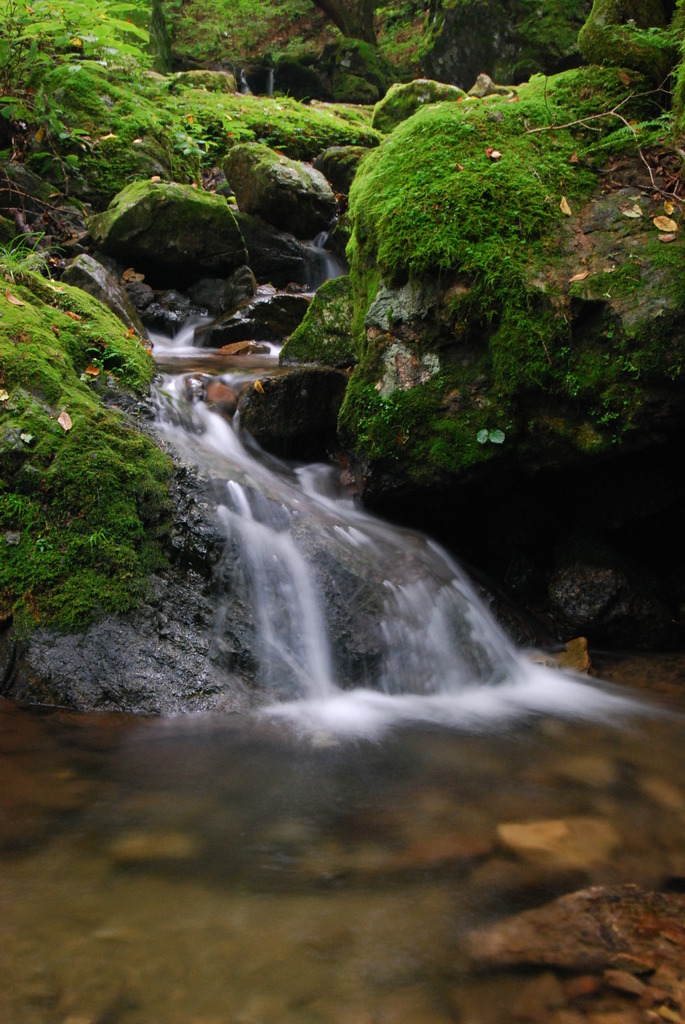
(513, 299)
(84, 500)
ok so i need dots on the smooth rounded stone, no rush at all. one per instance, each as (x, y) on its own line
(587, 931)
(596, 770)
(404, 98)
(244, 348)
(140, 847)
(174, 234)
(86, 273)
(288, 194)
(222, 396)
(663, 792)
(140, 294)
(570, 842)
(624, 982)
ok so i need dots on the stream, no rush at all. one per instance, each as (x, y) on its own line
(322, 859)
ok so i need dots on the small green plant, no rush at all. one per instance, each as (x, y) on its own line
(493, 436)
(21, 255)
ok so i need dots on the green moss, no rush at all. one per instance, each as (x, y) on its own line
(113, 131)
(82, 510)
(324, 337)
(553, 365)
(401, 101)
(630, 34)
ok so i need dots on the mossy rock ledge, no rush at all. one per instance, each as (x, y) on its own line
(516, 311)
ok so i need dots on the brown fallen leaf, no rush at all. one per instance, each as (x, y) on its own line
(4, 397)
(13, 299)
(564, 207)
(492, 154)
(131, 274)
(258, 386)
(664, 224)
(64, 420)
(155, 177)
(55, 330)
(625, 78)
(573, 159)
(670, 237)
(669, 207)
(459, 167)
(92, 371)
(109, 135)
(72, 316)
(580, 276)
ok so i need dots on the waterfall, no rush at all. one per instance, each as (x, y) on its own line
(352, 623)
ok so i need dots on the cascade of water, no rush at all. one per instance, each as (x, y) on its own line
(344, 602)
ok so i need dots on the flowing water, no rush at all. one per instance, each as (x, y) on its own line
(323, 859)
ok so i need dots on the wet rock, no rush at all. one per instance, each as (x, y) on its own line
(295, 415)
(276, 256)
(288, 194)
(569, 843)
(271, 316)
(300, 80)
(143, 847)
(86, 273)
(140, 294)
(218, 295)
(173, 233)
(588, 930)
(168, 312)
(404, 99)
(222, 397)
(244, 348)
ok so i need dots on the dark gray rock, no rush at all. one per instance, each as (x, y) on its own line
(596, 593)
(275, 256)
(295, 415)
(271, 316)
(218, 295)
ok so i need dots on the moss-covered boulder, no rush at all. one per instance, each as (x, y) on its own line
(324, 338)
(172, 233)
(509, 39)
(84, 501)
(286, 193)
(201, 78)
(630, 34)
(511, 308)
(357, 72)
(403, 100)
